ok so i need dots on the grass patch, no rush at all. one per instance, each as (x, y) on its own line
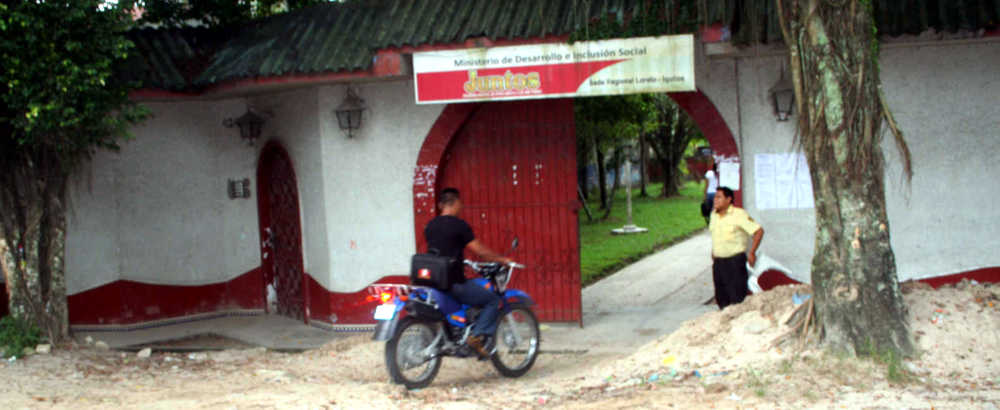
(757, 381)
(669, 220)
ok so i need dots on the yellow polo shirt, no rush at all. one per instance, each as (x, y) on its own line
(730, 232)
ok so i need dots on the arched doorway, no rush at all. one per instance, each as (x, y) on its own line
(515, 163)
(714, 128)
(557, 288)
(281, 232)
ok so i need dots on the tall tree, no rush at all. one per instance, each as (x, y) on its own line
(668, 131)
(605, 124)
(59, 104)
(833, 58)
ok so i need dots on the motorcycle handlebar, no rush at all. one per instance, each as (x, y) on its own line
(478, 265)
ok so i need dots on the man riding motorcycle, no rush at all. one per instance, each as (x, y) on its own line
(450, 236)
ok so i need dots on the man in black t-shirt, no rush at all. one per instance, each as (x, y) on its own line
(450, 235)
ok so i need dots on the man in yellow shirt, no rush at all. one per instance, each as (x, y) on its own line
(731, 227)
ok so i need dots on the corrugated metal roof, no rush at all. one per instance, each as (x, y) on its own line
(344, 37)
(171, 59)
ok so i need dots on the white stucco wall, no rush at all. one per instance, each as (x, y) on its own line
(947, 101)
(944, 97)
(158, 210)
(369, 183)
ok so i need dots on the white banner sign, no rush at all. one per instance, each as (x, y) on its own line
(609, 67)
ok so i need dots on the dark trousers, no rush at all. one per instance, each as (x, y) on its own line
(730, 278)
(470, 294)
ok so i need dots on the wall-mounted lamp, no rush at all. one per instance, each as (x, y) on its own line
(250, 125)
(239, 188)
(349, 112)
(782, 96)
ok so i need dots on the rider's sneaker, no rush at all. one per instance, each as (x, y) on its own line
(480, 344)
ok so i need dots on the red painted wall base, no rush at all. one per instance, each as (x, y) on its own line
(773, 278)
(127, 302)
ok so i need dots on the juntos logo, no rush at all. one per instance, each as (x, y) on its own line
(498, 83)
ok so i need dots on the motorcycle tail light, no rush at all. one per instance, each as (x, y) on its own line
(386, 297)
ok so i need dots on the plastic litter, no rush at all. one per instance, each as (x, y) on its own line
(669, 359)
(696, 374)
(800, 299)
(654, 377)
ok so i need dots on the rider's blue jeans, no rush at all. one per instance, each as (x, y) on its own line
(473, 295)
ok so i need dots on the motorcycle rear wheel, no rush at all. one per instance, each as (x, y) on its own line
(517, 342)
(404, 354)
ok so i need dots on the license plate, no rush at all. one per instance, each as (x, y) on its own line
(385, 312)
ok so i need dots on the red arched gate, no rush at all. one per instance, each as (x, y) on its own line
(515, 164)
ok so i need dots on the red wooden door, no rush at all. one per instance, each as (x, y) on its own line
(515, 165)
(281, 232)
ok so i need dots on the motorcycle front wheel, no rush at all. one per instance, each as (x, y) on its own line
(408, 356)
(517, 342)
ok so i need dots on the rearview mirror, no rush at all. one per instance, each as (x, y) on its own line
(513, 245)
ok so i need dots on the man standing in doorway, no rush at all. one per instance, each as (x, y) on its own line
(731, 227)
(451, 235)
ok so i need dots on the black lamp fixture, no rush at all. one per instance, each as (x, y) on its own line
(250, 124)
(783, 96)
(349, 112)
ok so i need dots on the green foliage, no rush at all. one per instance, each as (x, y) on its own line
(56, 87)
(654, 18)
(59, 103)
(668, 220)
(17, 334)
(610, 120)
(173, 13)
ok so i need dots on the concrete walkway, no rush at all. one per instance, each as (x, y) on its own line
(270, 331)
(639, 303)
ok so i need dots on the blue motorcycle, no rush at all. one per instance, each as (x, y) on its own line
(421, 325)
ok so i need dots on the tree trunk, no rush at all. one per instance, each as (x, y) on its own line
(643, 163)
(32, 195)
(602, 175)
(669, 143)
(833, 60)
(616, 163)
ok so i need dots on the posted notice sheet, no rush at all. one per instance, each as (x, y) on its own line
(782, 181)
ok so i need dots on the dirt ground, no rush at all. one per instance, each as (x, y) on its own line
(725, 359)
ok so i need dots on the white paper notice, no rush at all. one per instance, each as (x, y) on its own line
(782, 181)
(729, 175)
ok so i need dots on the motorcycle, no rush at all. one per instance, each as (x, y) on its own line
(421, 325)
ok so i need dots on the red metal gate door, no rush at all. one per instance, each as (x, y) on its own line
(281, 232)
(515, 164)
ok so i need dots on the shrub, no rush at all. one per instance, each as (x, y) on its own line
(16, 334)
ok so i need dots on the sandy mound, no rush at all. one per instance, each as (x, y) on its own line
(731, 357)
